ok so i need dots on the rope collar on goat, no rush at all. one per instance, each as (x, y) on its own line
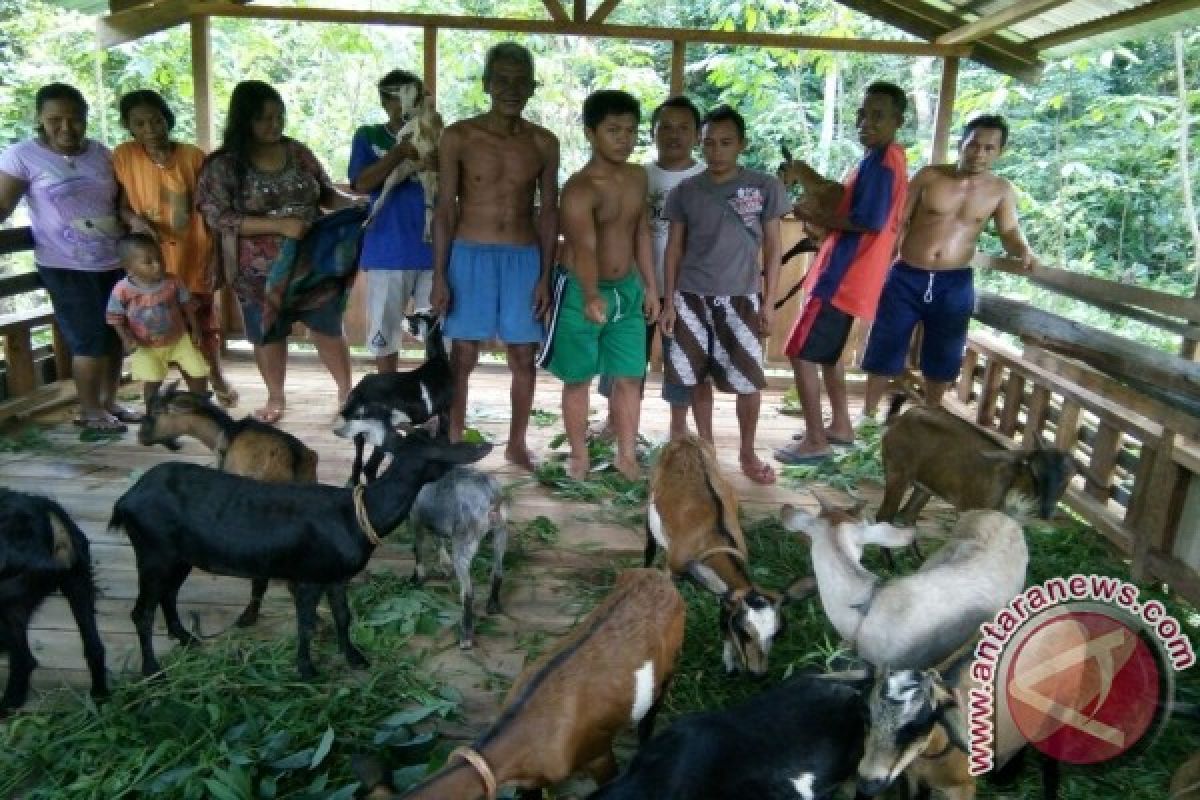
(480, 766)
(729, 551)
(364, 522)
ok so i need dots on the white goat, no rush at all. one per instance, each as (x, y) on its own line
(423, 130)
(914, 621)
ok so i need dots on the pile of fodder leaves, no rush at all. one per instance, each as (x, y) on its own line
(231, 720)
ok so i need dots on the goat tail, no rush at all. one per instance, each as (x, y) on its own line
(897, 402)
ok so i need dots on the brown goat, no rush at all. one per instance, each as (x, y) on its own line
(563, 712)
(817, 189)
(245, 447)
(692, 513)
(936, 452)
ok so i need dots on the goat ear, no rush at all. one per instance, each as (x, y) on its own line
(885, 534)
(706, 577)
(797, 520)
(951, 714)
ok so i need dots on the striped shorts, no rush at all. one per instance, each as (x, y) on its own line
(716, 337)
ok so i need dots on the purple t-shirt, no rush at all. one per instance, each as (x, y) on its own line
(72, 204)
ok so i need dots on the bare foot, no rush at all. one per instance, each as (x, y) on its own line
(519, 454)
(629, 467)
(271, 413)
(577, 467)
(757, 470)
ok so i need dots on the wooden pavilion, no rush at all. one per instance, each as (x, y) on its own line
(1130, 415)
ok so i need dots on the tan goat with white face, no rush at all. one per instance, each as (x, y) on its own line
(423, 130)
(692, 514)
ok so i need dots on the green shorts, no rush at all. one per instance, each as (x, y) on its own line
(577, 349)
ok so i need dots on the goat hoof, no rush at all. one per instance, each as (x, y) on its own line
(307, 672)
(247, 619)
(355, 658)
(493, 607)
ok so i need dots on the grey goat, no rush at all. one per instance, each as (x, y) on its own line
(462, 507)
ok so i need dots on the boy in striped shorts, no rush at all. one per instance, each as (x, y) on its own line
(718, 305)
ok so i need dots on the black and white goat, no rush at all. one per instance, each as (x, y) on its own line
(800, 740)
(916, 620)
(462, 507)
(402, 398)
(179, 516)
(42, 550)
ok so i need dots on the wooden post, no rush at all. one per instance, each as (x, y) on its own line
(431, 62)
(678, 57)
(581, 10)
(18, 355)
(1153, 513)
(945, 110)
(201, 81)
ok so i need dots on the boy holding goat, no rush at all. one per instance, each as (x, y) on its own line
(718, 304)
(597, 325)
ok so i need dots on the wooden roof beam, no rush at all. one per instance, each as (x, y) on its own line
(1004, 18)
(571, 28)
(1019, 60)
(557, 12)
(1114, 22)
(133, 24)
(602, 11)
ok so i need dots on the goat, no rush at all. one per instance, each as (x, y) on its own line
(463, 506)
(816, 188)
(423, 129)
(390, 399)
(936, 452)
(692, 513)
(179, 516)
(562, 713)
(800, 739)
(42, 550)
(243, 447)
(916, 620)
(918, 728)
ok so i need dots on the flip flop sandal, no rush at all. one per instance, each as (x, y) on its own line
(98, 425)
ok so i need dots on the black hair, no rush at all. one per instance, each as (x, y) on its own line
(59, 91)
(136, 241)
(993, 122)
(245, 103)
(678, 101)
(145, 97)
(890, 90)
(401, 77)
(507, 51)
(724, 113)
(606, 103)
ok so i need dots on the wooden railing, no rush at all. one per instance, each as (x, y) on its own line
(1140, 452)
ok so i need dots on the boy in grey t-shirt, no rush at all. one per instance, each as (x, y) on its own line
(717, 305)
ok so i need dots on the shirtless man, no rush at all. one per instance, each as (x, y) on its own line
(947, 209)
(598, 323)
(491, 255)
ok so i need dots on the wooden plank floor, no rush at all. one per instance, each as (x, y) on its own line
(86, 478)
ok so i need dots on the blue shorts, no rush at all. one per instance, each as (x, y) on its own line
(324, 319)
(491, 292)
(942, 300)
(80, 299)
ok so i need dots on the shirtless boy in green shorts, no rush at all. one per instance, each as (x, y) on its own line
(600, 308)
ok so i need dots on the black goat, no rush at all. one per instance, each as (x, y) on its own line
(409, 398)
(179, 516)
(801, 739)
(42, 550)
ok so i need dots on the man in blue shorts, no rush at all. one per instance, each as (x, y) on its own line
(492, 254)
(947, 208)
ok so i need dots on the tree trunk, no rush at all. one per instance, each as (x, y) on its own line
(829, 114)
(1190, 346)
(922, 103)
(1174, 380)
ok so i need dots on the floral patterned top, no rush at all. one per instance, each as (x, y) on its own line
(224, 197)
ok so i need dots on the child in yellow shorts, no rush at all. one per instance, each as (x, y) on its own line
(151, 313)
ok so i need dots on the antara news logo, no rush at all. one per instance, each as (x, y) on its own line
(1078, 667)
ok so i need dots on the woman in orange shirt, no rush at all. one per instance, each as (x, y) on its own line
(158, 186)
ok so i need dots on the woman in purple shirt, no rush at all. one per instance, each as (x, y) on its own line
(67, 182)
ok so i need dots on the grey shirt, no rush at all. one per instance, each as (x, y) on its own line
(724, 223)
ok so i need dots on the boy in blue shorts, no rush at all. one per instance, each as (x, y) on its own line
(598, 318)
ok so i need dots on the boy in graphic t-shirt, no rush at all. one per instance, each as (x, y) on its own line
(718, 302)
(151, 313)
